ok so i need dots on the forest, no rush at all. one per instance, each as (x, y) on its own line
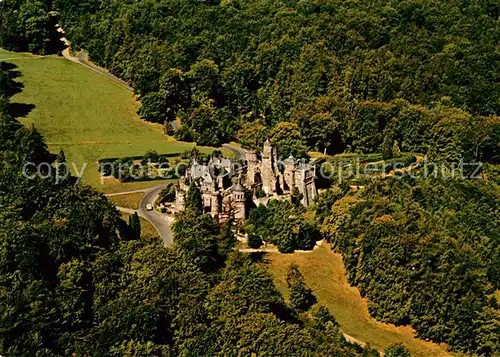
(426, 252)
(76, 281)
(312, 75)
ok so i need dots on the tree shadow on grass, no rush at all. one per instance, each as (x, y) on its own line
(14, 74)
(10, 87)
(259, 257)
(7, 66)
(8, 84)
(13, 88)
(20, 110)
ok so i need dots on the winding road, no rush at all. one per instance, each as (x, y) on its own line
(159, 221)
(81, 60)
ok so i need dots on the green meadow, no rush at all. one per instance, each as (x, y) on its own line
(325, 274)
(88, 115)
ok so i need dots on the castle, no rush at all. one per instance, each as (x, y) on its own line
(226, 186)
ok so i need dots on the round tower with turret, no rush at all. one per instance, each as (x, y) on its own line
(239, 199)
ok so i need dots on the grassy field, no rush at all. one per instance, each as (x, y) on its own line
(325, 274)
(88, 115)
(147, 230)
(130, 200)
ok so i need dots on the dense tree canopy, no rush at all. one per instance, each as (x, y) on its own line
(71, 284)
(426, 253)
(29, 25)
(335, 69)
(301, 296)
(282, 224)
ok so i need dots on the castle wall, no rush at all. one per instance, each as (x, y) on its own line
(289, 177)
(269, 162)
(265, 171)
(180, 200)
(253, 166)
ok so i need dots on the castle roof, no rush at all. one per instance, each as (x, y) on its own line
(238, 187)
(197, 170)
(201, 172)
(290, 160)
(207, 178)
(223, 162)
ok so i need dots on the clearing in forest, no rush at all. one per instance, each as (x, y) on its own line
(325, 274)
(88, 115)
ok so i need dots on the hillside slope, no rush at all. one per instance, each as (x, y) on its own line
(86, 114)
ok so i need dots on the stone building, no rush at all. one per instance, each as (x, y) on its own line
(226, 188)
(276, 178)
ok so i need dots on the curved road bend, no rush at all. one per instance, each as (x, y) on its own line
(160, 222)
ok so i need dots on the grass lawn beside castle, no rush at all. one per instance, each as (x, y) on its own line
(88, 115)
(325, 274)
(147, 230)
(130, 200)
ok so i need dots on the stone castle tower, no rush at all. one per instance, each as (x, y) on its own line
(274, 180)
(270, 170)
(305, 182)
(239, 199)
(254, 175)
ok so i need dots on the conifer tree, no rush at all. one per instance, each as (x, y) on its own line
(254, 240)
(323, 317)
(134, 224)
(194, 202)
(397, 350)
(227, 239)
(301, 296)
(396, 151)
(388, 142)
(61, 157)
